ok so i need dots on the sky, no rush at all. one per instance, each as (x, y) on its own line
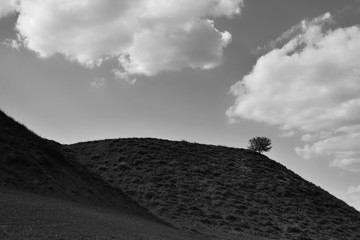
(209, 71)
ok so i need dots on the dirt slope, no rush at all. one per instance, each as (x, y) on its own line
(231, 193)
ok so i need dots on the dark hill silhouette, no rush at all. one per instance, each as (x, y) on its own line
(227, 192)
(46, 194)
(28, 162)
(129, 189)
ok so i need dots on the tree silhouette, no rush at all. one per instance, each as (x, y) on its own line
(260, 144)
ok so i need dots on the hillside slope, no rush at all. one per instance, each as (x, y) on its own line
(28, 162)
(230, 193)
(46, 194)
(27, 216)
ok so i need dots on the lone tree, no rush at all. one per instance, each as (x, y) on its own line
(260, 144)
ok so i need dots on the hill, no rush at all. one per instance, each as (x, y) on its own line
(28, 162)
(224, 192)
(46, 194)
(136, 189)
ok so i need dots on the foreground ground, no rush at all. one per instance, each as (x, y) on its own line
(30, 216)
(152, 189)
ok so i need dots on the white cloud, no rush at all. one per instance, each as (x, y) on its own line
(311, 86)
(7, 7)
(123, 76)
(296, 31)
(348, 164)
(13, 43)
(97, 83)
(146, 36)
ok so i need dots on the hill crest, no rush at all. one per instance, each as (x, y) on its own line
(219, 192)
(219, 189)
(33, 164)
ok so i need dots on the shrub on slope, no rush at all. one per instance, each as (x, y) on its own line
(219, 189)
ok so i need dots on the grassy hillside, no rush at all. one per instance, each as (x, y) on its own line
(26, 216)
(135, 189)
(46, 194)
(225, 192)
(30, 163)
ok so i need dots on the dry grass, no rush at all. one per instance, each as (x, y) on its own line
(129, 189)
(217, 190)
(30, 216)
(46, 194)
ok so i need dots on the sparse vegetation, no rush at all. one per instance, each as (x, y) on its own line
(218, 192)
(45, 194)
(260, 144)
(215, 189)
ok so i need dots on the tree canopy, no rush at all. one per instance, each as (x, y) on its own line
(260, 144)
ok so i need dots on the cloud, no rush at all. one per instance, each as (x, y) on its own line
(97, 83)
(145, 36)
(345, 148)
(311, 86)
(123, 76)
(325, 21)
(13, 43)
(7, 7)
(348, 164)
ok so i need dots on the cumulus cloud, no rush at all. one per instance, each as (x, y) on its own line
(7, 7)
(145, 36)
(13, 43)
(311, 86)
(345, 148)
